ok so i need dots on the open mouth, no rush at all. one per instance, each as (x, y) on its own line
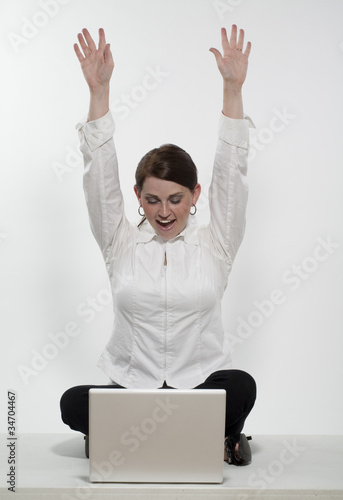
(165, 225)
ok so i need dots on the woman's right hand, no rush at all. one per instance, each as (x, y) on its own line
(96, 63)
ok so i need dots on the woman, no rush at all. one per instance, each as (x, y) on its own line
(168, 275)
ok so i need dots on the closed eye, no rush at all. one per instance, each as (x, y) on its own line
(152, 200)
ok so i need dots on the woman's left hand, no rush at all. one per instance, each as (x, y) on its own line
(233, 64)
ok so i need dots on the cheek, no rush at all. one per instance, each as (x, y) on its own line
(183, 211)
(149, 210)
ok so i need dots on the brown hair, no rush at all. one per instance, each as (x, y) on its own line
(169, 163)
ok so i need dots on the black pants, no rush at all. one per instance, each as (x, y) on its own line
(240, 398)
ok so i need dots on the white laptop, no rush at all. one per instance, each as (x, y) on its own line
(157, 436)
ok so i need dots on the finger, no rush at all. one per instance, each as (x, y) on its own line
(89, 39)
(102, 39)
(225, 41)
(233, 37)
(240, 40)
(248, 49)
(83, 44)
(78, 52)
(216, 53)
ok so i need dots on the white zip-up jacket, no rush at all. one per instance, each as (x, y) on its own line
(167, 319)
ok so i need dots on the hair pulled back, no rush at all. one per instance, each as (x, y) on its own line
(169, 163)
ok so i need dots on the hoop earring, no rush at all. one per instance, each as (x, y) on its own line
(139, 211)
(195, 210)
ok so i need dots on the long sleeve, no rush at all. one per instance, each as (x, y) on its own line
(228, 192)
(101, 181)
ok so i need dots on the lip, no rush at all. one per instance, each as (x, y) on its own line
(167, 227)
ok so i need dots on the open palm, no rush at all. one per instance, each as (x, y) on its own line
(233, 64)
(96, 63)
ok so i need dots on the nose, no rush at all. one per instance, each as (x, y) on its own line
(164, 211)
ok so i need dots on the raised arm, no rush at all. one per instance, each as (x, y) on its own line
(229, 190)
(97, 66)
(233, 66)
(101, 178)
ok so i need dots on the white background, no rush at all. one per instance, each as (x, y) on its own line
(52, 273)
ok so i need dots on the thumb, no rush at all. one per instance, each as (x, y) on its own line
(216, 53)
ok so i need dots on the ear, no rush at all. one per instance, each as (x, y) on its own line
(196, 193)
(137, 193)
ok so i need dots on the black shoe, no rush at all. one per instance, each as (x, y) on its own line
(243, 455)
(87, 446)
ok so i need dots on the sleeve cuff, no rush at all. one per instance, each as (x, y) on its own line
(235, 131)
(97, 132)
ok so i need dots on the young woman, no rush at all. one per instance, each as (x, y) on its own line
(167, 274)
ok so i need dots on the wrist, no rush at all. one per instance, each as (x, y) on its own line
(232, 101)
(99, 92)
(99, 102)
(235, 89)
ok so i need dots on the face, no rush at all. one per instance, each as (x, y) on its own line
(167, 205)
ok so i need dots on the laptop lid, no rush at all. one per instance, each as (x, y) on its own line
(156, 435)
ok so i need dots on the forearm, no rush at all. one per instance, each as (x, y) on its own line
(232, 101)
(99, 103)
